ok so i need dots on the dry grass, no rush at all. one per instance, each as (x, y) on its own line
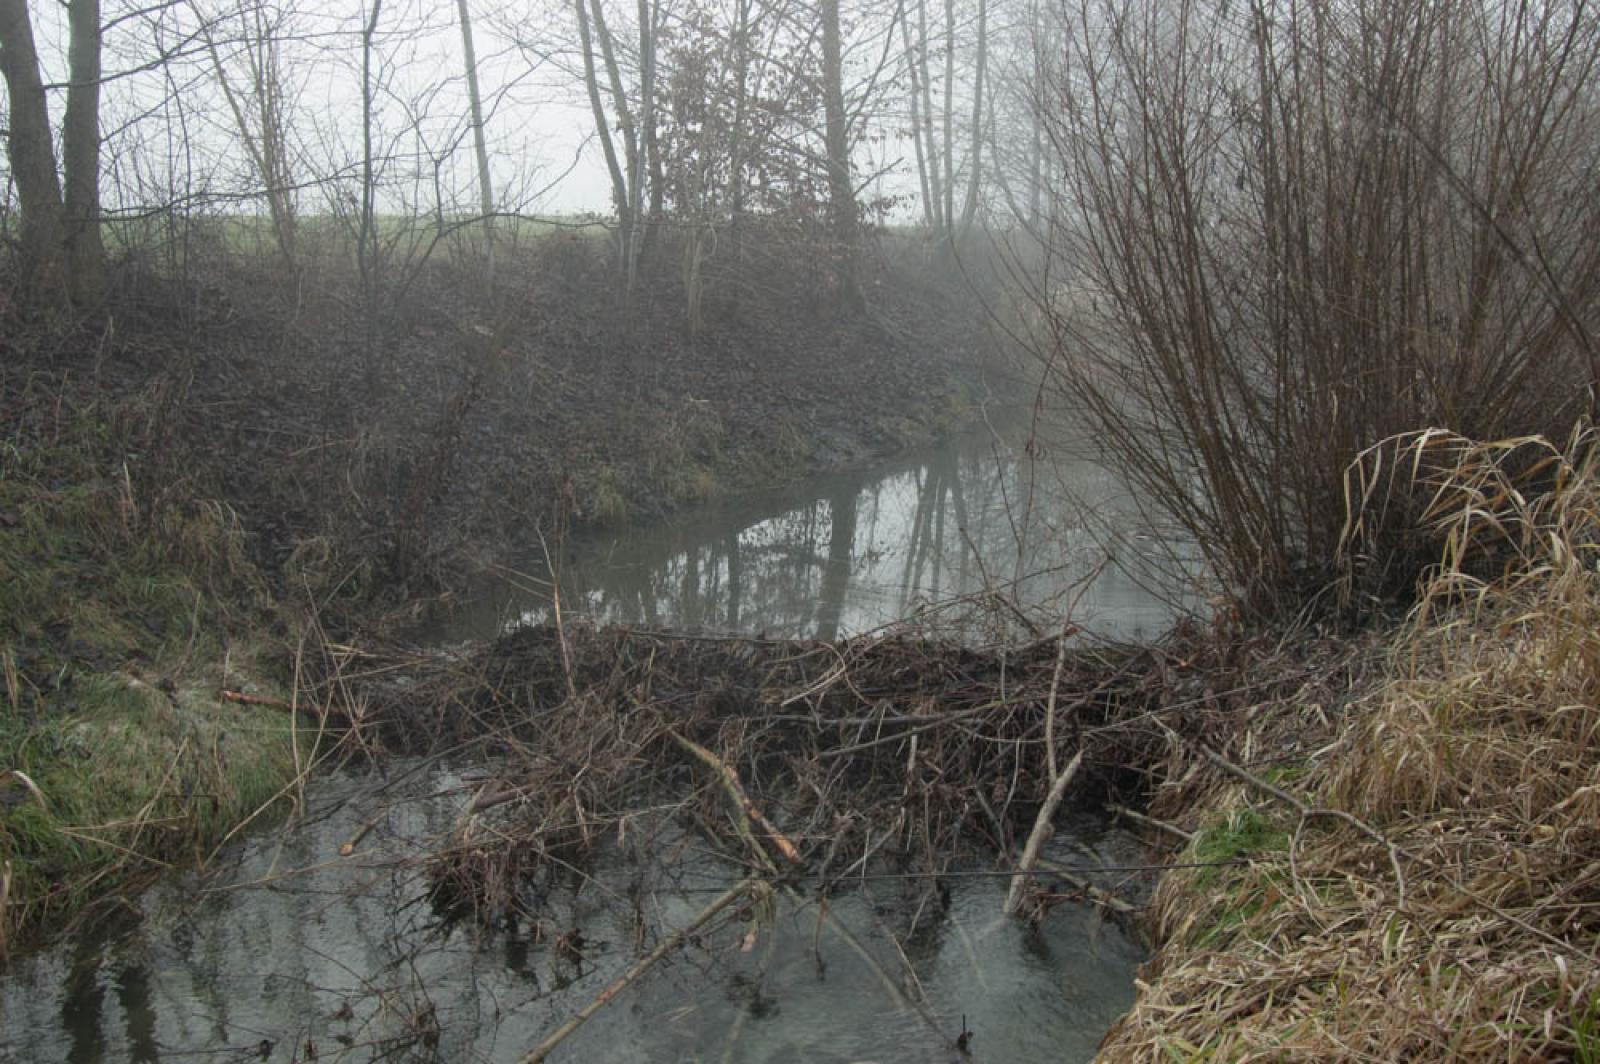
(1476, 754)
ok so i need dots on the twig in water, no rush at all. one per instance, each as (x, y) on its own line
(555, 609)
(735, 791)
(349, 847)
(1099, 895)
(622, 982)
(1150, 821)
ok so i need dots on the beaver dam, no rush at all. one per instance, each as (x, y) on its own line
(721, 848)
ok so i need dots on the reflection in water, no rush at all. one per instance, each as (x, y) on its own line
(133, 998)
(81, 1002)
(849, 553)
(297, 954)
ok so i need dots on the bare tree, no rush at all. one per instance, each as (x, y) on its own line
(625, 189)
(934, 129)
(80, 156)
(30, 148)
(480, 146)
(367, 258)
(975, 153)
(842, 207)
(259, 114)
(646, 161)
(1294, 229)
(620, 200)
(61, 242)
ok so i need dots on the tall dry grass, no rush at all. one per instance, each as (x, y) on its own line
(1476, 756)
(1287, 229)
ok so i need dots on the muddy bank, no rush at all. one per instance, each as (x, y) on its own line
(379, 457)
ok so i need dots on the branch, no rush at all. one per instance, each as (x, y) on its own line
(736, 792)
(622, 982)
(1308, 812)
(1041, 830)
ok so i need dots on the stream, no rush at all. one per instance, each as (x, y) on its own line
(290, 952)
(287, 951)
(975, 537)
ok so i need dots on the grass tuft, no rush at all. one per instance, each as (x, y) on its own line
(1475, 751)
(119, 622)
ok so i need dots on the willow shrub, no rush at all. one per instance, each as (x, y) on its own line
(1283, 231)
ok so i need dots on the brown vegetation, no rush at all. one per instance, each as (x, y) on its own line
(803, 762)
(493, 413)
(1288, 231)
(194, 483)
(1461, 923)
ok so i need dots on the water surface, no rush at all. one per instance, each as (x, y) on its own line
(289, 952)
(295, 953)
(1009, 536)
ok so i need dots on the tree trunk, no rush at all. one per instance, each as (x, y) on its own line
(475, 101)
(652, 149)
(628, 220)
(366, 235)
(85, 253)
(267, 77)
(741, 44)
(841, 196)
(30, 150)
(949, 115)
(1036, 122)
(646, 166)
(970, 209)
(931, 147)
(916, 123)
(266, 145)
(602, 127)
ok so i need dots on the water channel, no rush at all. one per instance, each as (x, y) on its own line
(287, 951)
(292, 953)
(981, 536)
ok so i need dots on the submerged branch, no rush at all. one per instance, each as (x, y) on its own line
(645, 963)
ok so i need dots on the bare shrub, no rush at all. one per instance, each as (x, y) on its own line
(1287, 230)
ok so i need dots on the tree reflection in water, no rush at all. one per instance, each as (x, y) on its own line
(849, 553)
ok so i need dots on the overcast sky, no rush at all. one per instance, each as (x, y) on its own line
(538, 121)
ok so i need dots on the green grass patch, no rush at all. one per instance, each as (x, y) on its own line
(125, 606)
(1586, 1031)
(1239, 834)
(606, 502)
(130, 780)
